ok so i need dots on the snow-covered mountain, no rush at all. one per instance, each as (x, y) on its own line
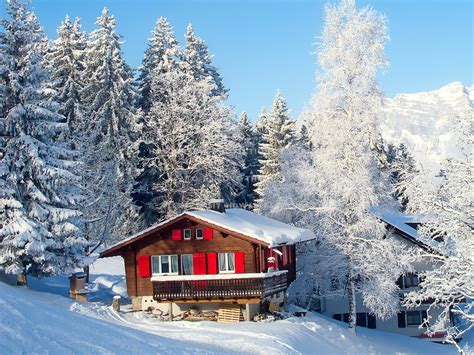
(425, 122)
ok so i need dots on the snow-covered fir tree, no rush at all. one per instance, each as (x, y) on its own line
(450, 220)
(278, 135)
(195, 144)
(65, 62)
(39, 197)
(199, 62)
(109, 128)
(162, 53)
(403, 168)
(250, 141)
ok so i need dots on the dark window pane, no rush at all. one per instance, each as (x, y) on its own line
(345, 317)
(371, 321)
(337, 316)
(361, 320)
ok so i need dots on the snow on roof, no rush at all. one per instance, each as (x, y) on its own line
(401, 222)
(254, 225)
(241, 221)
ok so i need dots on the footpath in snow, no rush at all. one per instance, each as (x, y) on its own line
(43, 319)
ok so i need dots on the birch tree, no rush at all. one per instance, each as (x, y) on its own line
(450, 215)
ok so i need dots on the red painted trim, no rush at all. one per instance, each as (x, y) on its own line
(211, 263)
(239, 262)
(199, 264)
(176, 234)
(208, 233)
(144, 269)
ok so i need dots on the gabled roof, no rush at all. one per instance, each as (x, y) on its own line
(404, 224)
(239, 222)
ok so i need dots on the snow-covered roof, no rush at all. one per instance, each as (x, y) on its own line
(238, 220)
(255, 226)
(402, 221)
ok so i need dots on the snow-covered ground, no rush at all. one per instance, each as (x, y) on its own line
(42, 319)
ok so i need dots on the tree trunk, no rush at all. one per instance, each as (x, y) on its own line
(86, 271)
(352, 305)
(21, 278)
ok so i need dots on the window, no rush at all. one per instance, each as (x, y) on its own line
(199, 233)
(164, 264)
(226, 263)
(413, 318)
(187, 234)
(410, 280)
(187, 264)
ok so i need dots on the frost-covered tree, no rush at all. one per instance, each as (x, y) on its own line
(279, 134)
(161, 54)
(250, 141)
(199, 62)
(108, 135)
(38, 194)
(195, 145)
(403, 169)
(340, 181)
(65, 62)
(450, 213)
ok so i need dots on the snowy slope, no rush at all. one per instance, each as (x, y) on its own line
(424, 122)
(39, 322)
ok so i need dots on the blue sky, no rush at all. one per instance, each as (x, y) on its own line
(262, 45)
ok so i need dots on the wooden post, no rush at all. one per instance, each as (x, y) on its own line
(21, 279)
(170, 311)
(116, 303)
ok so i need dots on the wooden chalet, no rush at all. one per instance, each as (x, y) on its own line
(212, 256)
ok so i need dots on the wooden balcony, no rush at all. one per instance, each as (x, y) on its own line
(218, 287)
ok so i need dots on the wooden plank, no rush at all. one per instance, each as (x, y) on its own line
(230, 314)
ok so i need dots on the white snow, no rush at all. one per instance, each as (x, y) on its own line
(254, 225)
(401, 220)
(424, 121)
(245, 222)
(50, 322)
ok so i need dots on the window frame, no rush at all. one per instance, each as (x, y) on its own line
(182, 264)
(202, 233)
(408, 324)
(226, 271)
(411, 277)
(169, 256)
(184, 234)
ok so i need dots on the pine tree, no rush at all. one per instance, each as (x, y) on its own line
(250, 141)
(38, 193)
(161, 55)
(199, 62)
(109, 146)
(66, 64)
(278, 136)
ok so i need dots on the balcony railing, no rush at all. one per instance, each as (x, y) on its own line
(221, 286)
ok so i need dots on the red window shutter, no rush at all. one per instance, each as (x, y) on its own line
(208, 233)
(211, 263)
(239, 262)
(176, 234)
(144, 269)
(199, 264)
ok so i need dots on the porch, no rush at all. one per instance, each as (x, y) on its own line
(219, 287)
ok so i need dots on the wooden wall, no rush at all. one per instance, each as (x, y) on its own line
(160, 243)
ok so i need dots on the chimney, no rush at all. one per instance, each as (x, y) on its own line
(217, 205)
